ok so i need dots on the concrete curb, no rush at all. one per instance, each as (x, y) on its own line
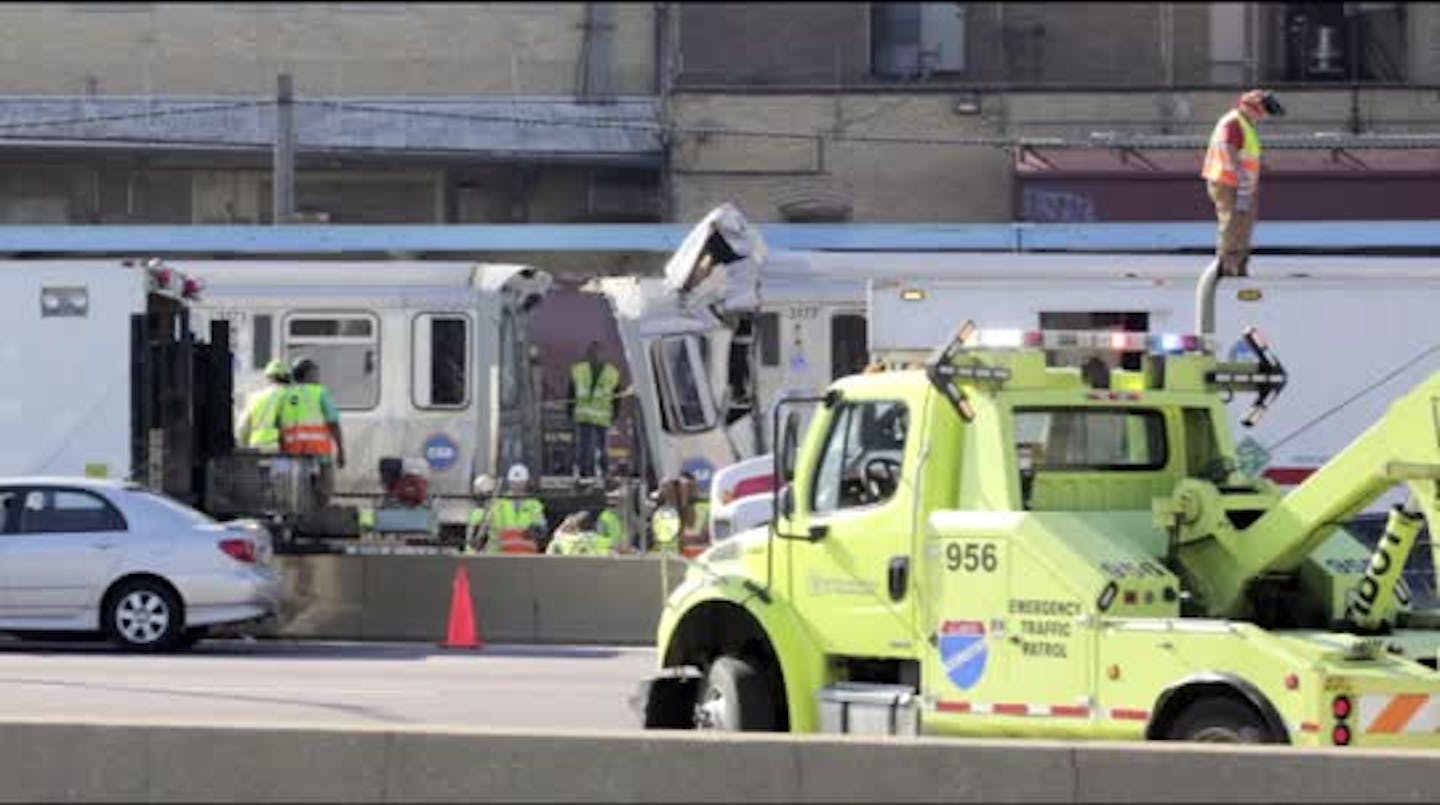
(46, 760)
(518, 599)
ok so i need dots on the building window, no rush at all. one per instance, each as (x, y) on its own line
(441, 360)
(1344, 42)
(347, 350)
(915, 40)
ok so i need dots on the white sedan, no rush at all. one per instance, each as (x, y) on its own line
(149, 573)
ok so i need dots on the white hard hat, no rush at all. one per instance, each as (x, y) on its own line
(518, 474)
(483, 485)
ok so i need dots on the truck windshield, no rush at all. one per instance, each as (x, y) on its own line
(1091, 438)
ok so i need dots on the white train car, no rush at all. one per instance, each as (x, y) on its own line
(425, 360)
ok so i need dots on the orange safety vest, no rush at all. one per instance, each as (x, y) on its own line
(303, 430)
(1218, 165)
(516, 541)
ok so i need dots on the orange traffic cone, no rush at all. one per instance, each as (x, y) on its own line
(462, 632)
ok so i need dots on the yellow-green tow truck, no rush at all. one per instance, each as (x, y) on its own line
(990, 545)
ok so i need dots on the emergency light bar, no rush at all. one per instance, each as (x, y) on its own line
(1116, 340)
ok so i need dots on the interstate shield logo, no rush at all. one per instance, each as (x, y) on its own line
(963, 651)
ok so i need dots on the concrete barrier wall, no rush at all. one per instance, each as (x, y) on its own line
(519, 599)
(44, 761)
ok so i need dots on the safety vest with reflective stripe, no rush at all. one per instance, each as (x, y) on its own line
(1218, 165)
(509, 514)
(665, 528)
(573, 543)
(303, 430)
(594, 401)
(263, 408)
(609, 533)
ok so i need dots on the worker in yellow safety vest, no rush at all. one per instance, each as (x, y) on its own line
(310, 423)
(681, 521)
(478, 526)
(1232, 177)
(259, 426)
(516, 517)
(591, 404)
(609, 532)
(574, 537)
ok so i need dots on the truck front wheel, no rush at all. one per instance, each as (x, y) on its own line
(735, 697)
(1219, 719)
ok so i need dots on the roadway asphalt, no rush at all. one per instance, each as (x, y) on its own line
(275, 683)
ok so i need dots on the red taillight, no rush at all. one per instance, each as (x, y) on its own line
(241, 550)
(1340, 736)
(1340, 707)
(1034, 338)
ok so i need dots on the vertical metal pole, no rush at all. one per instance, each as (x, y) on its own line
(283, 177)
(665, 36)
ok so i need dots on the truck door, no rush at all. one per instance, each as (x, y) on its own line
(843, 578)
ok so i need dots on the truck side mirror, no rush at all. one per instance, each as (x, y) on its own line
(789, 447)
(787, 501)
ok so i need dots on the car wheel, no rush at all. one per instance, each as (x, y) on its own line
(1219, 719)
(735, 697)
(144, 615)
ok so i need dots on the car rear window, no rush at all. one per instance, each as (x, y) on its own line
(186, 513)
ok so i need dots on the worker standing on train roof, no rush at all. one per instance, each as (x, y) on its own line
(1232, 177)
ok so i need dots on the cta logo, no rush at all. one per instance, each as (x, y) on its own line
(440, 452)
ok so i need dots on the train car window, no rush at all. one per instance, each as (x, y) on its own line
(440, 361)
(684, 386)
(848, 351)
(347, 349)
(767, 331)
(262, 342)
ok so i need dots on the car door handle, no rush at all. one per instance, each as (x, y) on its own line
(899, 576)
(107, 545)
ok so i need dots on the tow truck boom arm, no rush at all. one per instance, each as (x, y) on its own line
(1403, 447)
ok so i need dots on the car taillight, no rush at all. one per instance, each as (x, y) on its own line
(241, 550)
(1340, 707)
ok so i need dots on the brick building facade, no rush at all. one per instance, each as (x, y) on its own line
(554, 112)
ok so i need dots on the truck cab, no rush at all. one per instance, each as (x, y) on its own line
(990, 544)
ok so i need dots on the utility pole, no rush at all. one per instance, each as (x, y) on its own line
(282, 179)
(666, 34)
